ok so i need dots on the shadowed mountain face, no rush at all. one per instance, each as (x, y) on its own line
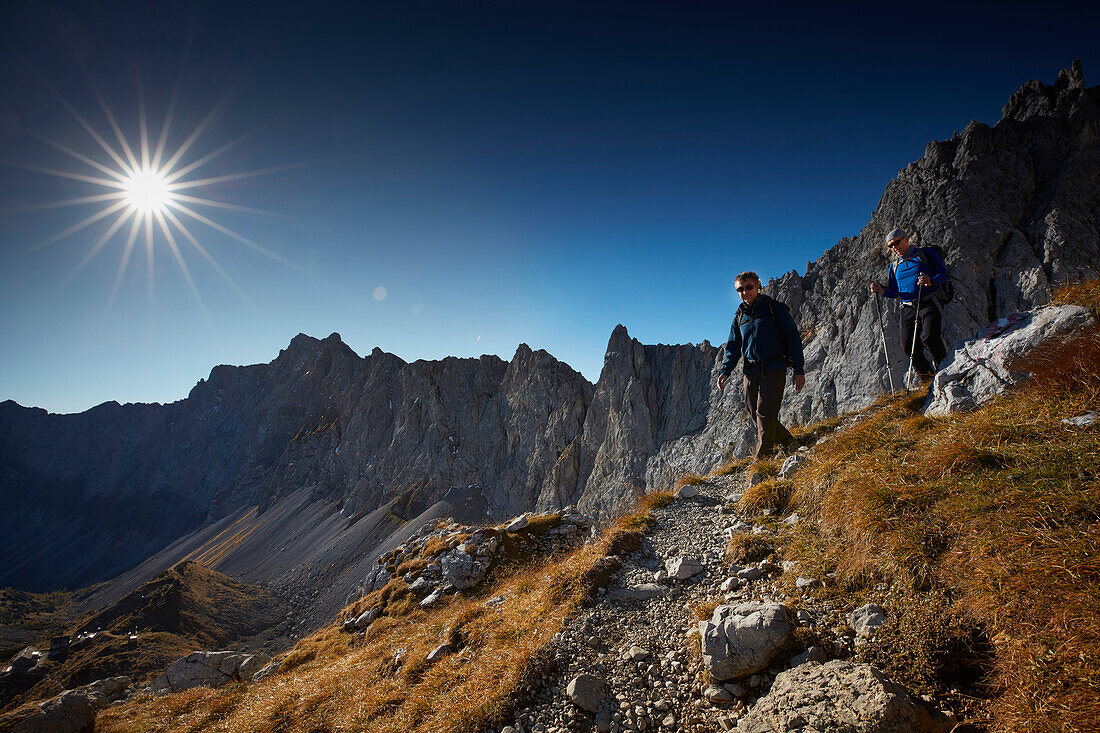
(356, 442)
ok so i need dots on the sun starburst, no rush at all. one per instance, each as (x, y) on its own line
(147, 192)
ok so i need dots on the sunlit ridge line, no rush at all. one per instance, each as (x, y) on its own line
(75, 228)
(207, 256)
(123, 217)
(183, 268)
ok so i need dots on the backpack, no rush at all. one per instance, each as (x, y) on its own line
(944, 293)
(771, 312)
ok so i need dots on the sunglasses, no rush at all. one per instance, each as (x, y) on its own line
(746, 288)
(894, 244)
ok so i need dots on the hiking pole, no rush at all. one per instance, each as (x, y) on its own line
(885, 351)
(913, 345)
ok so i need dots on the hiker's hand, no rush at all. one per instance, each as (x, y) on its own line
(722, 379)
(924, 281)
(876, 288)
(799, 382)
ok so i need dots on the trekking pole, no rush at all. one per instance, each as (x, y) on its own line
(885, 351)
(913, 345)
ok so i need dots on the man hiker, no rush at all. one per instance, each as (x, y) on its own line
(914, 279)
(764, 333)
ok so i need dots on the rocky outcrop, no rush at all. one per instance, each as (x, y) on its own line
(73, 711)
(840, 697)
(985, 366)
(209, 669)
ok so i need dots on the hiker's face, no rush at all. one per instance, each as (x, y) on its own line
(747, 289)
(900, 246)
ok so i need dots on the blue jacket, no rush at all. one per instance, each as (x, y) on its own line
(765, 341)
(904, 274)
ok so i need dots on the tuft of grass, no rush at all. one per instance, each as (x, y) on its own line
(772, 493)
(690, 479)
(746, 547)
(733, 466)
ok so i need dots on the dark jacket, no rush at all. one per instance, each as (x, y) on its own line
(766, 342)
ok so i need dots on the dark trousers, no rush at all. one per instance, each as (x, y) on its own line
(763, 396)
(928, 335)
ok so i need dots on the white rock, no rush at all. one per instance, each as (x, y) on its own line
(1082, 421)
(867, 619)
(686, 491)
(682, 568)
(743, 639)
(587, 691)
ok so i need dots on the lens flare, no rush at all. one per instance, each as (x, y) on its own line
(148, 192)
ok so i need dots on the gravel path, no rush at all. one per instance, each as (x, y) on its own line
(647, 650)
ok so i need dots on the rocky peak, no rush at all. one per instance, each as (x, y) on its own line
(1036, 98)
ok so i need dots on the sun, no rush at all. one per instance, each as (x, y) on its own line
(148, 191)
(141, 186)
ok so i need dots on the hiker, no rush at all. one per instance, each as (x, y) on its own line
(764, 333)
(915, 278)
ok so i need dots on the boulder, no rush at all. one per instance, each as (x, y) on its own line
(743, 639)
(73, 711)
(587, 691)
(980, 369)
(210, 669)
(686, 491)
(462, 570)
(516, 524)
(682, 568)
(839, 697)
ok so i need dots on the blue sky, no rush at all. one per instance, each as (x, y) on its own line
(508, 172)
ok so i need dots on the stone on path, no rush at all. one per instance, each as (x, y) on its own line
(587, 691)
(743, 639)
(682, 568)
(839, 697)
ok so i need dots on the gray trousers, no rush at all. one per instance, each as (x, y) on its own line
(764, 396)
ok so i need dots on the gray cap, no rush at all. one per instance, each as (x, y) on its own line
(896, 234)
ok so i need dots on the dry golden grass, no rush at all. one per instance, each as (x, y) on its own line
(689, 479)
(991, 522)
(746, 547)
(770, 494)
(381, 681)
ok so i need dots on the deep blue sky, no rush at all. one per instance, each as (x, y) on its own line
(509, 172)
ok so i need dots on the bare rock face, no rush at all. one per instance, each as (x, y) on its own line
(987, 365)
(839, 697)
